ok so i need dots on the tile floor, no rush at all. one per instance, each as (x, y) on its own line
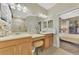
(66, 48)
(55, 51)
(70, 47)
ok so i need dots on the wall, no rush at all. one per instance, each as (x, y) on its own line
(0, 10)
(54, 12)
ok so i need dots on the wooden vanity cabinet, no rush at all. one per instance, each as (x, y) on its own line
(48, 40)
(22, 46)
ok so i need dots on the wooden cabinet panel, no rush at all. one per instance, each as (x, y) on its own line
(48, 40)
(51, 41)
(24, 50)
(16, 47)
(7, 51)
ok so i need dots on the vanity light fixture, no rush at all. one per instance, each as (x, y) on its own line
(25, 9)
(13, 6)
(42, 15)
(19, 7)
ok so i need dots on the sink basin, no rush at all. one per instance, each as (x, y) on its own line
(17, 33)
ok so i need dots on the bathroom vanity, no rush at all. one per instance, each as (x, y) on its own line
(22, 43)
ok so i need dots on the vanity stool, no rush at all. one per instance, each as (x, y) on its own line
(37, 45)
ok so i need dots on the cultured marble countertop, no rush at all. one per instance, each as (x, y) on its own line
(45, 33)
(11, 37)
(36, 35)
(70, 37)
(20, 35)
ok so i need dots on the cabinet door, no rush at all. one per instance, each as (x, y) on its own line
(24, 49)
(48, 40)
(51, 41)
(7, 51)
(46, 45)
(21, 49)
(18, 47)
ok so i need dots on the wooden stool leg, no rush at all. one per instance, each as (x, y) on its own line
(36, 51)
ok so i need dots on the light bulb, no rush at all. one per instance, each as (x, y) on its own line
(12, 6)
(19, 7)
(25, 9)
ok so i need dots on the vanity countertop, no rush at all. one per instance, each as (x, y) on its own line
(74, 38)
(37, 35)
(11, 37)
(46, 33)
(21, 35)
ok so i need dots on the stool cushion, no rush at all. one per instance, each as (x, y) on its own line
(38, 43)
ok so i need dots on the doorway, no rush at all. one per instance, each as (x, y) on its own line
(69, 36)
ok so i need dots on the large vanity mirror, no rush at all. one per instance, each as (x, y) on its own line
(50, 23)
(45, 24)
(19, 25)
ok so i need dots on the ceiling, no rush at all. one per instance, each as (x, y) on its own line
(70, 14)
(47, 5)
(34, 8)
